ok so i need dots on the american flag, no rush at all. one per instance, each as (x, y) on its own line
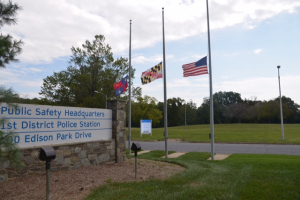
(195, 68)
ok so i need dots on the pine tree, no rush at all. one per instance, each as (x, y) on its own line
(9, 48)
(9, 153)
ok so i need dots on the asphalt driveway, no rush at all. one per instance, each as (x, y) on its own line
(222, 148)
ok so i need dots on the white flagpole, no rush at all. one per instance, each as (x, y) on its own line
(165, 89)
(210, 88)
(129, 114)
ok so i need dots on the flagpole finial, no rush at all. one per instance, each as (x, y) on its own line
(162, 8)
(130, 21)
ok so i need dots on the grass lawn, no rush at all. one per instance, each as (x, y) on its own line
(246, 176)
(229, 133)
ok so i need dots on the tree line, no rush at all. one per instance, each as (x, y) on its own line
(229, 107)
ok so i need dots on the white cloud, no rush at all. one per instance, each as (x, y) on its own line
(142, 59)
(198, 56)
(250, 26)
(18, 77)
(257, 51)
(263, 88)
(29, 95)
(50, 28)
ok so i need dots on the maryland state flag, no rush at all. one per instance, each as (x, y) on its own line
(152, 74)
(121, 86)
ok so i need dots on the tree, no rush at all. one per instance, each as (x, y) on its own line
(91, 68)
(227, 98)
(188, 109)
(288, 105)
(160, 107)
(269, 111)
(56, 88)
(145, 108)
(9, 48)
(9, 153)
(220, 101)
(191, 113)
(240, 111)
(173, 111)
(203, 112)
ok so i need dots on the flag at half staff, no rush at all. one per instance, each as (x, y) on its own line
(195, 68)
(152, 74)
(121, 86)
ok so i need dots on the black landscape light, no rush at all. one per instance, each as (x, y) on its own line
(135, 147)
(47, 154)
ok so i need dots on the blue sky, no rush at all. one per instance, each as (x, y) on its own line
(248, 40)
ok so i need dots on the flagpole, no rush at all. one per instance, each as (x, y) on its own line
(129, 114)
(210, 88)
(165, 89)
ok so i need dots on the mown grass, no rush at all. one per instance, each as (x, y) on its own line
(228, 133)
(237, 177)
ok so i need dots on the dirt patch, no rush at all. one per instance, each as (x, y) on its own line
(76, 184)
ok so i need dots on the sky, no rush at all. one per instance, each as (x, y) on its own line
(249, 39)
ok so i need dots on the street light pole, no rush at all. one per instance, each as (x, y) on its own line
(106, 101)
(281, 115)
(185, 114)
(105, 97)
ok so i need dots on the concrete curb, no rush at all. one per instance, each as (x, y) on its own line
(220, 156)
(174, 155)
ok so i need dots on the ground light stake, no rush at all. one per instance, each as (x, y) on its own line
(135, 147)
(47, 154)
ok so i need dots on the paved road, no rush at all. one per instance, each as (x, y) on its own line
(223, 148)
